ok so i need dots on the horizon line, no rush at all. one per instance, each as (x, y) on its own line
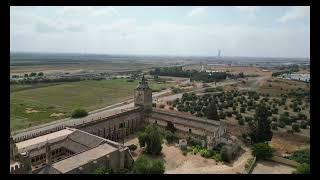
(128, 54)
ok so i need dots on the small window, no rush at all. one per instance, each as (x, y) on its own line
(156, 122)
(189, 130)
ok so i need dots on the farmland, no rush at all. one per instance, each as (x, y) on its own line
(33, 105)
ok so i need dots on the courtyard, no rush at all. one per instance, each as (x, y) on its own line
(176, 163)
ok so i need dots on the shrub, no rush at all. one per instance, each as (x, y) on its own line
(145, 165)
(222, 115)
(132, 147)
(301, 156)
(78, 113)
(101, 171)
(295, 127)
(238, 116)
(229, 114)
(274, 119)
(247, 118)
(241, 122)
(290, 131)
(217, 157)
(224, 155)
(170, 137)
(262, 151)
(303, 124)
(204, 153)
(281, 124)
(303, 169)
(184, 153)
(274, 126)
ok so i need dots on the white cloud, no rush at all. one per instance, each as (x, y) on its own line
(89, 11)
(106, 11)
(248, 9)
(295, 13)
(197, 11)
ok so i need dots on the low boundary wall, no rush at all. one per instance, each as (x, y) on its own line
(285, 161)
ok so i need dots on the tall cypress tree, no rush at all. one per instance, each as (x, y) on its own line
(212, 112)
(261, 130)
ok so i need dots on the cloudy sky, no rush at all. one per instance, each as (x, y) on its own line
(237, 31)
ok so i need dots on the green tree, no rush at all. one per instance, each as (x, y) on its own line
(151, 137)
(261, 129)
(145, 165)
(33, 74)
(212, 112)
(78, 113)
(262, 151)
(40, 74)
(142, 139)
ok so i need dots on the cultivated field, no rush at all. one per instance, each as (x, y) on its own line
(79, 66)
(31, 106)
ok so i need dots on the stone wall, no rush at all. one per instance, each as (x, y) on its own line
(189, 126)
(285, 161)
(117, 126)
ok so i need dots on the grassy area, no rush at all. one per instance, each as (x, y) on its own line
(41, 102)
(20, 87)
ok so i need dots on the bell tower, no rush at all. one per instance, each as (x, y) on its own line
(143, 95)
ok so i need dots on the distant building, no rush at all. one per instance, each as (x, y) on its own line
(298, 77)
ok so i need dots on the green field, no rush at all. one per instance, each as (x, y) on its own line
(65, 97)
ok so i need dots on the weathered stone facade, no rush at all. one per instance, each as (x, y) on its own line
(188, 126)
